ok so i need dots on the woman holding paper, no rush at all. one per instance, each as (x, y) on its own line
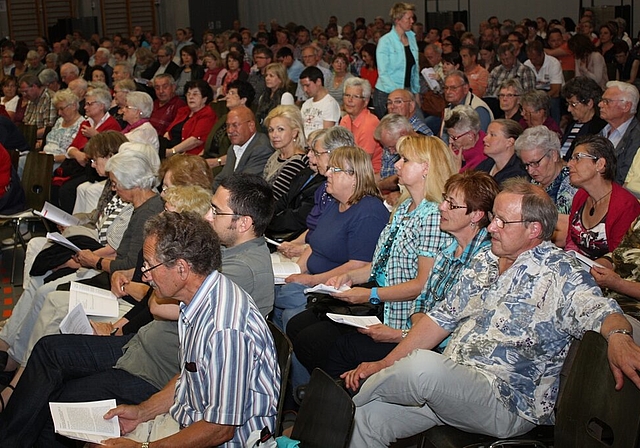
(346, 233)
(133, 176)
(403, 259)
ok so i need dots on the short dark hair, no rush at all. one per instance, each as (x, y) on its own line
(479, 190)
(82, 56)
(283, 52)
(203, 86)
(584, 89)
(185, 236)
(313, 74)
(602, 148)
(263, 50)
(250, 195)
(245, 90)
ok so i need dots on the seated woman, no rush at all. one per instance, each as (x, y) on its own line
(291, 210)
(286, 133)
(346, 233)
(509, 96)
(402, 261)
(65, 128)
(184, 169)
(539, 149)
(74, 170)
(192, 124)
(466, 139)
(583, 95)
(233, 71)
(12, 198)
(133, 175)
(276, 93)
(189, 70)
(502, 162)
(137, 110)
(602, 211)
(340, 71)
(468, 201)
(120, 90)
(535, 111)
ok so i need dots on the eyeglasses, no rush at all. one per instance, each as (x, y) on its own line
(500, 223)
(131, 107)
(217, 213)
(318, 153)
(536, 163)
(507, 95)
(575, 103)
(335, 169)
(60, 109)
(582, 155)
(349, 96)
(90, 103)
(455, 139)
(397, 102)
(452, 87)
(450, 204)
(145, 269)
(606, 101)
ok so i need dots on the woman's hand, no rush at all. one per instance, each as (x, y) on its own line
(457, 157)
(354, 295)
(291, 250)
(382, 333)
(606, 278)
(88, 131)
(305, 279)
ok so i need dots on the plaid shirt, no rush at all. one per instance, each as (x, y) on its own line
(410, 235)
(524, 74)
(42, 112)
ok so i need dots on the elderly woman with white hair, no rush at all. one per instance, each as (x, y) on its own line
(539, 149)
(65, 128)
(466, 138)
(133, 174)
(137, 111)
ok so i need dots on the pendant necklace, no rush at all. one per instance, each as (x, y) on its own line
(593, 207)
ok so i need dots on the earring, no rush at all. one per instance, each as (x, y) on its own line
(473, 225)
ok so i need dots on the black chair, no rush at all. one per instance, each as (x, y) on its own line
(30, 133)
(325, 419)
(284, 348)
(590, 412)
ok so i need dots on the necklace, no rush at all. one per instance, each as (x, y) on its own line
(592, 210)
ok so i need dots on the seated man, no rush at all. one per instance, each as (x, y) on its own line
(511, 319)
(387, 133)
(229, 322)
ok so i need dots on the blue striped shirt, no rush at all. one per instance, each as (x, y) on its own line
(229, 369)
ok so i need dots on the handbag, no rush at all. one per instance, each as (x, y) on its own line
(432, 103)
(321, 304)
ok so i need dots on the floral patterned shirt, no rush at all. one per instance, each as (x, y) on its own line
(516, 327)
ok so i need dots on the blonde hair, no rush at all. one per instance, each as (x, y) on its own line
(278, 69)
(399, 9)
(191, 198)
(294, 118)
(437, 155)
(356, 159)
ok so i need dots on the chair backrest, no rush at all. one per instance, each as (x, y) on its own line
(591, 413)
(15, 157)
(36, 179)
(284, 348)
(30, 133)
(325, 419)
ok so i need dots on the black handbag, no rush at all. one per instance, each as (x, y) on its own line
(321, 304)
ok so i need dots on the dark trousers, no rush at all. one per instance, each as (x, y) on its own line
(66, 368)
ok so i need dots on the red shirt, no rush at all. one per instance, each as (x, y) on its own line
(199, 125)
(163, 115)
(110, 124)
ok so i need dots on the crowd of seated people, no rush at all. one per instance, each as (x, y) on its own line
(426, 198)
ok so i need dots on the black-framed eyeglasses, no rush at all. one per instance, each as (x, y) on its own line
(456, 138)
(145, 269)
(335, 169)
(318, 153)
(535, 163)
(450, 205)
(500, 223)
(217, 213)
(575, 103)
(582, 155)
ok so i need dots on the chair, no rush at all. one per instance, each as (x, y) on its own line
(325, 419)
(284, 348)
(36, 182)
(30, 133)
(590, 412)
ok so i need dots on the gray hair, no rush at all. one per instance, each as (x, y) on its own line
(436, 48)
(629, 93)
(344, 44)
(538, 137)
(48, 76)
(135, 166)
(359, 82)
(463, 118)
(106, 52)
(168, 49)
(141, 101)
(336, 137)
(65, 96)
(171, 79)
(537, 99)
(51, 57)
(126, 65)
(512, 83)
(102, 96)
(394, 124)
(73, 68)
(536, 205)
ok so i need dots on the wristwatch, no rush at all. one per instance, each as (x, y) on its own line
(99, 264)
(373, 297)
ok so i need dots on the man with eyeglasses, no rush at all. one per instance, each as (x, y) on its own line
(391, 128)
(311, 57)
(262, 56)
(402, 102)
(510, 67)
(359, 120)
(618, 107)
(511, 318)
(162, 64)
(249, 150)
(321, 110)
(457, 93)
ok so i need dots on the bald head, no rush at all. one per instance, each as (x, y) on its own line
(69, 72)
(241, 125)
(78, 87)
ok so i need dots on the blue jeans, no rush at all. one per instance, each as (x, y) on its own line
(290, 300)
